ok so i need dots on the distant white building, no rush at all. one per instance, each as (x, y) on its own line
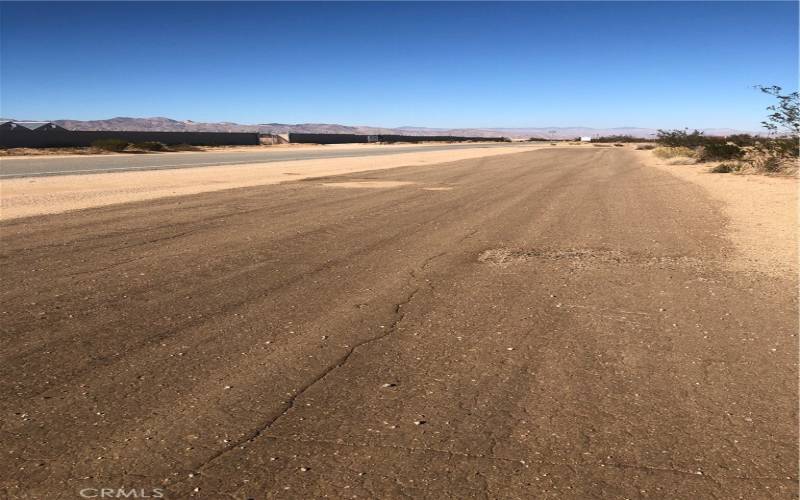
(586, 139)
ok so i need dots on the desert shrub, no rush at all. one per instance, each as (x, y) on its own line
(765, 159)
(787, 148)
(619, 145)
(645, 147)
(681, 160)
(674, 152)
(785, 114)
(718, 151)
(116, 145)
(744, 140)
(150, 146)
(554, 144)
(602, 145)
(780, 152)
(616, 138)
(681, 138)
(725, 168)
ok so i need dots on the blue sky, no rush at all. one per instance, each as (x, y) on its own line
(594, 64)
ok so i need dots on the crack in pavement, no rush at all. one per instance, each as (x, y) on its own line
(288, 405)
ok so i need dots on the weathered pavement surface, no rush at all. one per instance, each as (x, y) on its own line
(552, 324)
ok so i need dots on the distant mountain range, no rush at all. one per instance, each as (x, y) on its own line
(161, 124)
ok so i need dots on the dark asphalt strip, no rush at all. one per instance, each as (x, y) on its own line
(41, 166)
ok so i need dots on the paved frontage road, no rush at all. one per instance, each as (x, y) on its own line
(34, 166)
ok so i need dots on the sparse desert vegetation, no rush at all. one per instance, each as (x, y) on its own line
(775, 153)
(110, 145)
(669, 152)
(149, 146)
(122, 146)
(725, 168)
(617, 138)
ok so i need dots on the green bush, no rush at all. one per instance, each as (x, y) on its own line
(115, 145)
(718, 151)
(681, 138)
(779, 153)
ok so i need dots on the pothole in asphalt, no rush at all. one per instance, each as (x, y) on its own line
(367, 184)
(576, 256)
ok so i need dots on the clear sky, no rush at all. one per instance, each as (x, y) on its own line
(593, 64)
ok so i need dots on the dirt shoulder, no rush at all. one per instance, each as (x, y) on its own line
(46, 195)
(762, 212)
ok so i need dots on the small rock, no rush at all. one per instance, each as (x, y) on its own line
(305, 469)
(388, 384)
(420, 422)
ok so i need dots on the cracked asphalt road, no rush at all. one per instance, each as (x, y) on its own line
(551, 324)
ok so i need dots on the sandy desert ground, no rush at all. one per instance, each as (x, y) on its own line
(762, 212)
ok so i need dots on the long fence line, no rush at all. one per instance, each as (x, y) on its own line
(17, 138)
(20, 137)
